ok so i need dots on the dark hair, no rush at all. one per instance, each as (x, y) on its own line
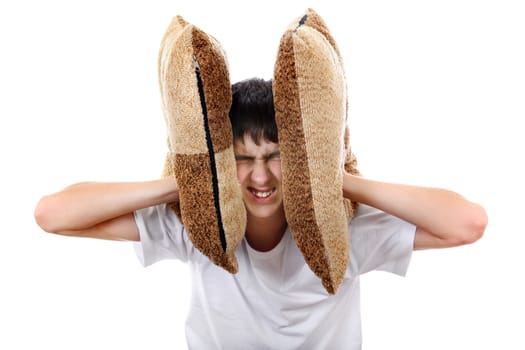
(252, 110)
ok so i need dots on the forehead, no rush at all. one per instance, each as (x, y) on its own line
(247, 146)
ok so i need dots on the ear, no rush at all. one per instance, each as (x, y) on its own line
(196, 98)
(310, 105)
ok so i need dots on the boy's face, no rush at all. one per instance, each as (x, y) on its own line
(259, 173)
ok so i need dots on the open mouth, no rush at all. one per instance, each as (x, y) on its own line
(261, 194)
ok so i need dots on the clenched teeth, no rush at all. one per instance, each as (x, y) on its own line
(262, 194)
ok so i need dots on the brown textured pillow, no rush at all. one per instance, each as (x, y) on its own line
(196, 97)
(311, 108)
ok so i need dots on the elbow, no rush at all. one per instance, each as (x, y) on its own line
(478, 224)
(44, 215)
(474, 227)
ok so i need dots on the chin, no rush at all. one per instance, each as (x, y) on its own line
(267, 212)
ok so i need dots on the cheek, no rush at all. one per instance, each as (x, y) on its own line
(241, 174)
(275, 168)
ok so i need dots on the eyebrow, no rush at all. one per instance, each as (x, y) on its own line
(265, 157)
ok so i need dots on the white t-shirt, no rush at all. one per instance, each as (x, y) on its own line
(275, 301)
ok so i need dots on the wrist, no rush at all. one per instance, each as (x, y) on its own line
(350, 186)
(168, 190)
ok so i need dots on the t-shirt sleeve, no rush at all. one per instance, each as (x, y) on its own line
(379, 241)
(162, 236)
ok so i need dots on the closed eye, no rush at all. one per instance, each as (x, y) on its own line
(241, 157)
(274, 155)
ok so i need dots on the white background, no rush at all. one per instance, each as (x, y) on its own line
(437, 98)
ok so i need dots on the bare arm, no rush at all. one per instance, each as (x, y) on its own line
(102, 210)
(443, 218)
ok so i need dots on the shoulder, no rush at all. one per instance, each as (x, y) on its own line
(370, 223)
(368, 217)
(162, 235)
(379, 240)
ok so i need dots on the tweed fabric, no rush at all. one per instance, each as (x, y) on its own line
(315, 21)
(311, 110)
(196, 98)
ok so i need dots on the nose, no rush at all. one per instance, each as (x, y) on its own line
(260, 173)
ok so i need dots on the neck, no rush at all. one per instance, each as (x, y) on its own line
(263, 234)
